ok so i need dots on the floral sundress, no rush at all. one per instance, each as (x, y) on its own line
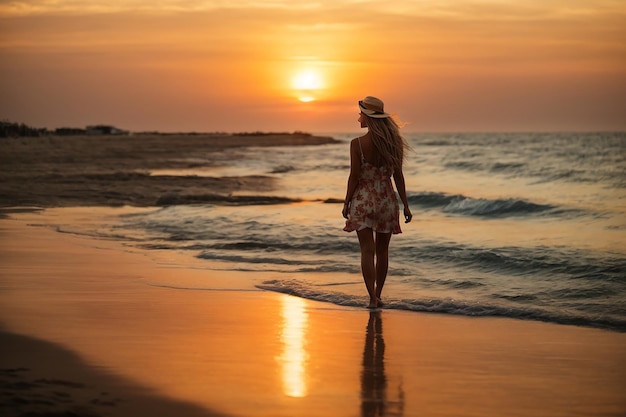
(374, 203)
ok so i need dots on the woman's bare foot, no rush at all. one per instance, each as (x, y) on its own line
(379, 303)
(373, 303)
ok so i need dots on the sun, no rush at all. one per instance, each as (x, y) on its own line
(306, 84)
(307, 80)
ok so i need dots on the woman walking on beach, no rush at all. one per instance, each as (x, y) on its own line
(371, 207)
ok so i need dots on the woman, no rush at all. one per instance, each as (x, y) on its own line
(371, 207)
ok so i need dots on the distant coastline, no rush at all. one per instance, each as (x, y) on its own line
(14, 129)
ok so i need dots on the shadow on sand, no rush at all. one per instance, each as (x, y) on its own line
(39, 378)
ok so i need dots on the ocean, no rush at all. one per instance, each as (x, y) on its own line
(528, 226)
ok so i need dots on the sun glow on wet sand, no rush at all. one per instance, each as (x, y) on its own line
(293, 359)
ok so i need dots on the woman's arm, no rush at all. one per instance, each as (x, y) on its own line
(398, 177)
(353, 179)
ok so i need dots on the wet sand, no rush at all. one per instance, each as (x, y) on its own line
(62, 171)
(85, 333)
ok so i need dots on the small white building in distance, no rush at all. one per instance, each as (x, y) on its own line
(105, 130)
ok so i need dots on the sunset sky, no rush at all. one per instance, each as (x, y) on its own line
(284, 65)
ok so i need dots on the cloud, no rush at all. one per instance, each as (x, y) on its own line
(74, 7)
(452, 10)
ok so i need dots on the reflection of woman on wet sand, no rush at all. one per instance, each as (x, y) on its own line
(373, 379)
(374, 401)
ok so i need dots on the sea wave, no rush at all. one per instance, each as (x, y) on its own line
(240, 200)
(255, 240)
(507, 166)
(451, 306)
(565, 262)
(460, 204)
(282, 169)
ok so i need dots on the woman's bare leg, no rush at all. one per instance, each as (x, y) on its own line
(368, 250)
(382, 262)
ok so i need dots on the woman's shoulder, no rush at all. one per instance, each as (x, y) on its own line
(360, 139)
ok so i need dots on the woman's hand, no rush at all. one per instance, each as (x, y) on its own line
(407, 215)
(346, 209)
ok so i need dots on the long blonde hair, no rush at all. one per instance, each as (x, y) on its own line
(387, 140)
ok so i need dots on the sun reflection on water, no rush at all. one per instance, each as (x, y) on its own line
(294, 357)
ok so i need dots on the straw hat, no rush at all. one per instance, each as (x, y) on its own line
(373, 107)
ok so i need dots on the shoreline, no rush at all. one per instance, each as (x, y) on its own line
(234, 350)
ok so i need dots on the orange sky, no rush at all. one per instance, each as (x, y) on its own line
(446, 65)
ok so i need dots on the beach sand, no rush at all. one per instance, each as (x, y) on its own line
(84, 332)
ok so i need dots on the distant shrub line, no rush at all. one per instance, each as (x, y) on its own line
(13, 130)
